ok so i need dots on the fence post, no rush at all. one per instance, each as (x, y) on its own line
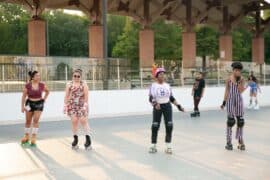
(182, 74)
(3, 78)
(94, 75)
(66, 73)
(118, 73)
(141, 77)
(264, 74)
(218, 71)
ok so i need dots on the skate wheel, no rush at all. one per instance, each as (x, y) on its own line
(33, 145)
(168, 152)
(75, 147)
(242, 148)
(88, 148)
(153, 151)
(228, 148)
(25, 144)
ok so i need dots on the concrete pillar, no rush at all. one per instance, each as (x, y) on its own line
(188, 49)
(258, 50)
(225, 47)
(37, 38)
(146, 48)
(95, 35)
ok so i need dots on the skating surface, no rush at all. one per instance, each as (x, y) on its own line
(120, 150)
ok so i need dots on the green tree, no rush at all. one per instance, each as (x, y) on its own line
(13, 29)
(116, 26)
(241, 45)
(206, 43)
(167, 41)
(68, 34)
(127, 43)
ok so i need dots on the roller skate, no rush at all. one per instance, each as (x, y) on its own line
(195, 114)
(33, 141)
(241, 146)
(168, 150)
(25, 140)
(75, 143)
(256, 107)
(153, 149)
(87, 143)
(229, 146)
(250, 106)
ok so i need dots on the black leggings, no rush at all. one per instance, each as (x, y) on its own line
(166, 110)
(197, 100)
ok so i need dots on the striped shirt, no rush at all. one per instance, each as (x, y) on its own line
(235, 105)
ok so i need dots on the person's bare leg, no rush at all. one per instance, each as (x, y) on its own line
(86, 129)
(75, 124)
(27, 129)
(35, 128)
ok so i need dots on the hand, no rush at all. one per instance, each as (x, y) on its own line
(180, 108)
(223, 105)
(85, 106)
(65, 109)
(157, 107)
(23, 109)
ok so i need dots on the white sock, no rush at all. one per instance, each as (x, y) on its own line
(27, 130)
(86, 131)
(154, 145)
(34, 130)
(168, 145)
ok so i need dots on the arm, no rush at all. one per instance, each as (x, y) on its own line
(66, 94)
(86, 91)
(24, 95)
(47, 92)
(225, 94)
(173, 100)
(192, 92)
(203, 88)
(152, 99)
(179, 107)
(202, 92)
(241, 86)
(259, 88)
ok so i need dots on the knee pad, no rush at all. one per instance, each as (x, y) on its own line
(169, 125)
(155, 126)
(230, 121)
(240, 121)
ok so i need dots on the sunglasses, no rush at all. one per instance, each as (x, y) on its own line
(75, 76)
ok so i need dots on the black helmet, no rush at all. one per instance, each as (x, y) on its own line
(237, 65)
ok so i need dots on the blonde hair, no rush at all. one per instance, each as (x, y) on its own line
(77, 71)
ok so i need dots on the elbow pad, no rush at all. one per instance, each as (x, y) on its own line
(172, 99)
(150, 98)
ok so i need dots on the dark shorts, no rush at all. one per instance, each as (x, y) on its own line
(35, 105)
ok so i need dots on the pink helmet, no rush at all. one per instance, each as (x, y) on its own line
(159, 70)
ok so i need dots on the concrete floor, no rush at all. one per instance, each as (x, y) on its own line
(120, 150)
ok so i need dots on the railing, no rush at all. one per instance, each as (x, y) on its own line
(112, 73)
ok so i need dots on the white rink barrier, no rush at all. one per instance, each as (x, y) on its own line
(118, 102)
